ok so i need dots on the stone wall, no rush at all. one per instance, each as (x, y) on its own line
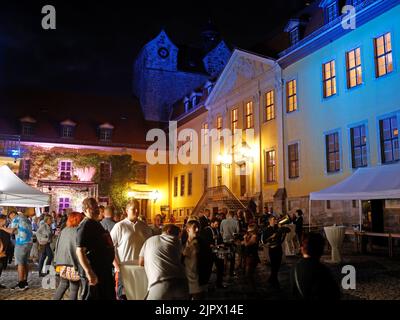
(339, 213)
(160, 89)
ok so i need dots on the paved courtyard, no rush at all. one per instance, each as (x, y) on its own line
(378, 278)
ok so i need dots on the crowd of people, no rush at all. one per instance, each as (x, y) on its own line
(89, 248)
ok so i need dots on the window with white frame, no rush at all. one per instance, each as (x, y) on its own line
(63, 203)
(67, 131)
(294, 36)
(329, 78)
(383, 55)
(249, 115)
(270, 166)
(182, 185)
(332, 152)
(234, 119)
(269, 106)
(65, 170)
(27, 128)
(354, 70)
(331, 12)
(358, 141)
(293, 160)
(291, 96)
(105, 134)
(219, 126)
(389, 136)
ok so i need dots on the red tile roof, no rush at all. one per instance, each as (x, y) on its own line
(50, 108)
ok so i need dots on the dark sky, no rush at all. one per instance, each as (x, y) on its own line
(95, 42)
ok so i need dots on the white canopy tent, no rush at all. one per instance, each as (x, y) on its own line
(16, 193)
(380, 182)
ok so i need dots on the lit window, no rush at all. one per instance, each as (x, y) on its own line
(293, 154)
(383, 55)
(358, 147)
(354, 71)
(291, 93)
(269, 106)
(175, 186)
(389, 133)
(249, 115)
(182, 185)
(270, 166)
(332, 152)
(65, 170)
(189, 184)
(219, 126)
(63, 203)
(331, 12)
(329, 75)
(234, 119)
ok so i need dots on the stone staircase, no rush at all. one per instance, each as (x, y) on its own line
(220, 197)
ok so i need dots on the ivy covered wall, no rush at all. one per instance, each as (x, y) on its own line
(44, 165)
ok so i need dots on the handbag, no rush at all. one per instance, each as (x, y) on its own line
(69, 273)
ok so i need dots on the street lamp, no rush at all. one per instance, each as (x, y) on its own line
(155, 195)
(225, 159)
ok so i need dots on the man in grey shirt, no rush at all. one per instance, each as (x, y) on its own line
(108, 222)
(228, 228)
(161, 258)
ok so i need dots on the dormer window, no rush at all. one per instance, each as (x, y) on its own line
(294, 36)
(27, 126)
(67, 129)
(209, 88)
(187, 104)
(331, 12)
(105, 132)
(27, 129)
(194, 101)
(295, 28)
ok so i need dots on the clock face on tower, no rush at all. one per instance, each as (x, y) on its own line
(163, 52)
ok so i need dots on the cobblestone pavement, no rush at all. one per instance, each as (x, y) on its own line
(378, 278)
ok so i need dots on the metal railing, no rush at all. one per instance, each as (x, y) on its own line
(221, 195)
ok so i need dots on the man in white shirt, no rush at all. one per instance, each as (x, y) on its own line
(229, 227)
(128, 237)
(161, 258)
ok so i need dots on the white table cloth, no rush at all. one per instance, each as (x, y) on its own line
(134, 279)
(335, 236)
(289, 244)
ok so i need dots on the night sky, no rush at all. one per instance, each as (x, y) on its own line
(95, 43)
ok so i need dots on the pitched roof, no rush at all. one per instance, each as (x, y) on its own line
(51, 108)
